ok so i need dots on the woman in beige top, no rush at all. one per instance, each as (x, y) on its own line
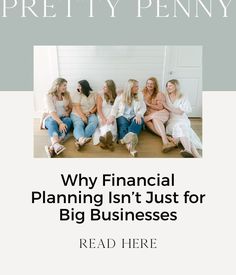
(83, 113)
(56, 119)
(156, 115)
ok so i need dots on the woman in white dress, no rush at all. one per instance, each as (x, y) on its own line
(106, 133)
(178, 125)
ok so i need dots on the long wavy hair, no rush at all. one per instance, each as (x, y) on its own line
(85, 87)
(111, 95)
(55, 86)
(127, 96)
(176, 83)
(156, 87)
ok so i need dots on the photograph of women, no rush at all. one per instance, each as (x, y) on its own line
(117, 101)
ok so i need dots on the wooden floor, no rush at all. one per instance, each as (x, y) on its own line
(149, 146)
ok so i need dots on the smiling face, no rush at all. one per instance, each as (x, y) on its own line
(135, 88)
(150, 85)
(171, 88)
(79, 88)
(105, 88)
(62, 88)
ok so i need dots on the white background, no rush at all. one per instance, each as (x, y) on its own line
(34, 242)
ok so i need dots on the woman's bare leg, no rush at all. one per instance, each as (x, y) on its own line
(195, 152)
(55, 139)
(174, 140)
(150, 125)
(186, 143)
(160, 130)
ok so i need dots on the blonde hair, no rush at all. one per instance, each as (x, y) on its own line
(127, 96)
(55, 85)
(177, 87)
(156, 87)
(111, 86)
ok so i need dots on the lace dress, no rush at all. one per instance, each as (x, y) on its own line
(103, 129)
(179, 125)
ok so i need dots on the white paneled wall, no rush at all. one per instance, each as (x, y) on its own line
(99, 63)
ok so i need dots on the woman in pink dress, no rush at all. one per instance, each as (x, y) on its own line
(156, 115)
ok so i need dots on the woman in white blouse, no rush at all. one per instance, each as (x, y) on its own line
(178, 125)
(129, 109)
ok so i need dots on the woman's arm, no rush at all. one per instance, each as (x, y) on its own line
(99, 109)
(50, 105)
(55, 116)
(155, 107)
(114, 110)
(160, 102)
(93, 110)
(143, 107)
(158, 106)
(79, 111)
(174, 110)
(68, 108)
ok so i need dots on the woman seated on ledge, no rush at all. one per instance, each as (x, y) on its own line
(105, 133)
(156, 114)
(57, 117)
(179, 126)
(84, 113)
(128, 110)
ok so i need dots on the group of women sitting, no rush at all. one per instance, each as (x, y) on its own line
(109, 116)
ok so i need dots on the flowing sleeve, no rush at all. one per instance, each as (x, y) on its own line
(167, 100)
(185, 105)
(49, 104)
(143, 107)
(115, 106)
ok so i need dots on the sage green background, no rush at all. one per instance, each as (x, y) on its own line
(19, 35)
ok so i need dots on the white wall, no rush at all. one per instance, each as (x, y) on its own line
(99, 63)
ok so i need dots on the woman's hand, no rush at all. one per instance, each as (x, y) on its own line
(138, 119)
(178, 111)
(66, 114)
(85, 119)
(62, 127)
(104, 121)
(159, 104)
(110, 120)
(87, 114)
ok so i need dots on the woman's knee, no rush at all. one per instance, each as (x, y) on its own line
(78, 122)
(93, 120)
(67, 121)
(122, 122)
(157, 121)
(93, 124)
(50, 122)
